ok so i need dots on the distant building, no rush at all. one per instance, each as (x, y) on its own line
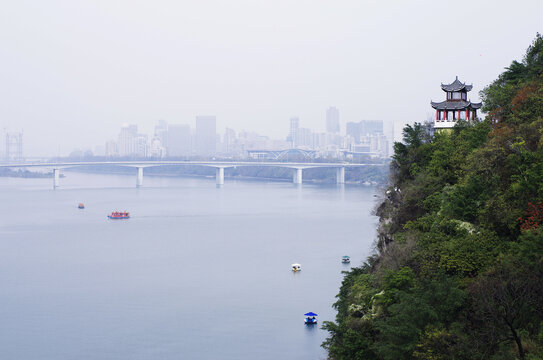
(305, 138)
(371, 127)
(206, 135)
(112, 149)
(127, 143)
(13, 146)
(161, 132)
(368, 138)
(455, 107)
(229, 141)
(179, 140)
(332, 120)
(364, 128)
(293, 133)
(142, 148)
(353, 130)
(157, 150)
(131, 143)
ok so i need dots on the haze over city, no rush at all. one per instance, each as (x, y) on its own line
(249, 179)
(73, 72)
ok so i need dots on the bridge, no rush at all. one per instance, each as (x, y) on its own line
(219, 166)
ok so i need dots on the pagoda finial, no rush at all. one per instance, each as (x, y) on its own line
(456, 77)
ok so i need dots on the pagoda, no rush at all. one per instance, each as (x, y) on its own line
(455, 107)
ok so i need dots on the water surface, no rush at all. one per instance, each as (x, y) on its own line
(198, 272)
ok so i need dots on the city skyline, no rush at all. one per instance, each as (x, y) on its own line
(155, 142)
(182, 140)
(72, 75)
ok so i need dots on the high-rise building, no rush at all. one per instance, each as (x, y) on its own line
(353, 130)
(364, 128)
(229, 141)
(179, 140)
(131, 143)
(156, 149)
(305, 138)
(142, 150)
(112, 149)
(161, 132)
(332, 120)
(206, 135)
(294, 132)
(14, 146)
(388, 131)
(371, 127)
(128, 142)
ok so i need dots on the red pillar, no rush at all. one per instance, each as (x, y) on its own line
(437, 115)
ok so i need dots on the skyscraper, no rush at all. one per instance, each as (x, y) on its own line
(364, 128)
(294, 131)
(371, 127)
(179, 140)
(229, 140)
(353, 130)
(161, 132)
(332, 120)
(206, 135)
(128, 140)
(111, 148)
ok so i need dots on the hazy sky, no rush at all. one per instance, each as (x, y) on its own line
(72, 72)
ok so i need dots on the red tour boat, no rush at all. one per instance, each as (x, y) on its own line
(119, 215)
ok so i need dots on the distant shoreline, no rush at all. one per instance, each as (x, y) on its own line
(237, 177)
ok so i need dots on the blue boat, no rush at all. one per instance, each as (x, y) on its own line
(310, 318)
(345, 259)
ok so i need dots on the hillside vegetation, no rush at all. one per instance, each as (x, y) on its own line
(458, 268)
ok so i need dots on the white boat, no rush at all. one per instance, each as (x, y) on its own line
(296, 267)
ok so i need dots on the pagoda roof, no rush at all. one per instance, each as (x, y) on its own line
(455, 105)
(456, 85)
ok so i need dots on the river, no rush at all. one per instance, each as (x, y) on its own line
(198, 272)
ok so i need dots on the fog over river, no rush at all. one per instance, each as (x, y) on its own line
(198, 272)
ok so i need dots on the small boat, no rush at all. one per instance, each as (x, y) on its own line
(81, 206)
(310, 318)
(296, 267)
(345, 259)
(118, 215)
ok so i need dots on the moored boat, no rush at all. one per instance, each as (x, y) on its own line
(310, 318)
(345, 259)
(296, 267)
(81, 206)
(118, 215)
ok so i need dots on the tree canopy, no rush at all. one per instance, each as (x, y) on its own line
(459, 264)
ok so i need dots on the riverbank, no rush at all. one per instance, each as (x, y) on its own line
(356, 176)
(20, 173)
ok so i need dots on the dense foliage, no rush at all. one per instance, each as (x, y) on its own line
(458, 271)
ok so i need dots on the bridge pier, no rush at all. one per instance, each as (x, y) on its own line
(340, 175)
(56, 178)
(297, 176)
(219, 176)
(139, 180)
